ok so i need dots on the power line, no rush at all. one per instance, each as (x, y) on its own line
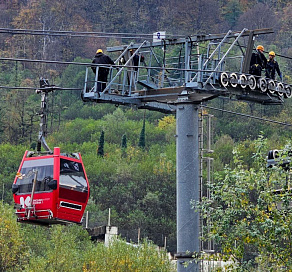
(249, 116)
(79, 34)
(244, 46)
(93, 35)
(36, 88)
(103, 65)
(47, 61)
(208, 107)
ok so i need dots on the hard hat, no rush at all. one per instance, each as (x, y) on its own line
(99, 51)
(260, 47)
(272, 53)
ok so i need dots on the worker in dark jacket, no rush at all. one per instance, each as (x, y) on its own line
(136, 59)
(272, 67)
(258, 61)
(101, 58)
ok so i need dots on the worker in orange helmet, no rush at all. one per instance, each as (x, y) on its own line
(258, 61)
(272, 67)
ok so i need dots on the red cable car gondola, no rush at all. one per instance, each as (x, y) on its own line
(50, 187)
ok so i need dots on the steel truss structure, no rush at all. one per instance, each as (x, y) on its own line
(204, 67)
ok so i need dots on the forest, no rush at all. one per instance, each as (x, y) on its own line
(138, 181)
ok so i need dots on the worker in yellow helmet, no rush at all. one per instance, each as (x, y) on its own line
(258, 61)
(101, 58)
(272, 67)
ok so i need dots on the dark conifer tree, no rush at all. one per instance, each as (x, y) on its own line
(124, 145)
(100, 150)
(142, 141)
(124, 141)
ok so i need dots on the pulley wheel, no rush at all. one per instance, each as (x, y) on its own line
(288, 91)
(271, 86)
(243, 81)
(280, 88)
(233, 80)
(224, 79)
(262, 83)
(252, 83)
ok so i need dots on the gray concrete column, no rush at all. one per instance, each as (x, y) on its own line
(187, 166)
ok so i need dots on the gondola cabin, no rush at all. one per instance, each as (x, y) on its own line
(50, 189)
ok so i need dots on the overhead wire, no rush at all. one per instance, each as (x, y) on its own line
(249, 116)
(204, 106)
(46, 61)
(91, 64)
(36, 88)
(94, 34)
(127, 35)
(244, 46)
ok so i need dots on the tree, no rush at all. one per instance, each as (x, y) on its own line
(232, 11)
(142, 141)
(124, 141)
(100, 150)
(249, 222)
(124, 145)
(257, 17)
(10, 158)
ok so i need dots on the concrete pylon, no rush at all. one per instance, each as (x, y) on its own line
(187, 155)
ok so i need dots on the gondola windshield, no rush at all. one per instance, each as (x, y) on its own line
(44, 168)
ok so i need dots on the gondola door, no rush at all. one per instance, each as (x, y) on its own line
(73, 189)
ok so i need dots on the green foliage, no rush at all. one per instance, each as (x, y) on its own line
(223, 151)
(14, 253)
(248, 221)
(232, 12)
(69, 248)
(123, 257)
(10, 159)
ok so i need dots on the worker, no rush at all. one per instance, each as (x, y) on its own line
(136, 59)
(101, 58)
(258, 61)
(272, 67)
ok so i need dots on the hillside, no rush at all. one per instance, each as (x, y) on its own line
(137, 184)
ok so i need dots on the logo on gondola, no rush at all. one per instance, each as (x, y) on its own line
(25, 202)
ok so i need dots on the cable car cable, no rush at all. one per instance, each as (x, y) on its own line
(249, 116)
(79, 33)
(90, 64)
(209, 107)
(42, 89)
(11, 30)
(91, 34)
